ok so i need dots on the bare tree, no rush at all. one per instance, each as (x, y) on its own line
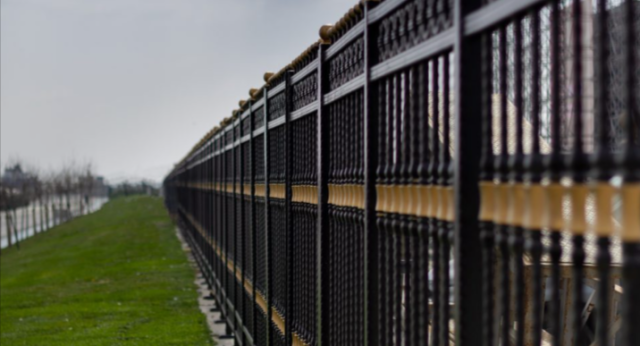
(4, 206)
(49, 193)
(35, 194)
(67, 183)
(58, 190)
(28, 195)
(88, 184)
(21, 196)
(7, 222)
(10, 204)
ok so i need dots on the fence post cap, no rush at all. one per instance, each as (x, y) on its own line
(325, 33)
(267, 76)
(352, 12)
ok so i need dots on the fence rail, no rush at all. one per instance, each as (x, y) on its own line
(431, 172)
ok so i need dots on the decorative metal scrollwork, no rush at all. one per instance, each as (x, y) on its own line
(305, 91)
(411, 24)
(347, 64)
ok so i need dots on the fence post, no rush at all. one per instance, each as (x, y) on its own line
(287, 208)
(210, 213)
(237, 228)
(252, 181)
(267, 216)
(218, 218)
(323, 198)
(244, 226)
(224, 239)
(630, 171)
(370, 164)
(468, 271)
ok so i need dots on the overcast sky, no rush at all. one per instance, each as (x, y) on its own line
(131, 85)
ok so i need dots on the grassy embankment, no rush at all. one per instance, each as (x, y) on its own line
(115, 277)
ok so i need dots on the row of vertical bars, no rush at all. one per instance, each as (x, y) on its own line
(555, 173)
(475, 248)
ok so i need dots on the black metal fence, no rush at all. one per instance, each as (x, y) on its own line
(431, 173)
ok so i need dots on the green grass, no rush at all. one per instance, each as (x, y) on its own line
(115, 277)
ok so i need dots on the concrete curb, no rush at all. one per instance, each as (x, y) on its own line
(216, 325)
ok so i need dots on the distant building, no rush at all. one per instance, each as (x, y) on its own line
(11, 184)
(14, 177)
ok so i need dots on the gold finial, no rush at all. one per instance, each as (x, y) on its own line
(341, 24)
(267, 76)
(241, 103)
(352, 13)
(253, 92)
(325, 33)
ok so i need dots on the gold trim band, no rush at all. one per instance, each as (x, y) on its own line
(534, 206)
(604, 225)
(630, 194)
(578, 194)
(554, 201)
(487, 198)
